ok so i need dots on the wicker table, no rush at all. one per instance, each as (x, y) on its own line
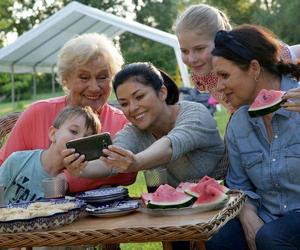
(135, 227)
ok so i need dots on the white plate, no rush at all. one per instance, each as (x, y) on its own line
(43, 222)
(99, 200)
(102, 193)
(114, 209)
(181, 211)
(112, 214)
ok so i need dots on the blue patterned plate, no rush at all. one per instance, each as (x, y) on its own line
(103, 194)
(39, 215)
(113, 209)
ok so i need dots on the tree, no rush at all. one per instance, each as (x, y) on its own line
(5, 20)
(238, 11)
(157, 14)
(19, 17)
(22, 15)
(281, 17)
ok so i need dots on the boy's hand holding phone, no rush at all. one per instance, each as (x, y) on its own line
(74, 162)
(82, 150)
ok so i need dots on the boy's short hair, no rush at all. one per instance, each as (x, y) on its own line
(91, 119)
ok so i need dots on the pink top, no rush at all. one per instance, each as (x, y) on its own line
(212, 101)
(31, 132)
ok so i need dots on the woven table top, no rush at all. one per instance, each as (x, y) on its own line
(135, 227)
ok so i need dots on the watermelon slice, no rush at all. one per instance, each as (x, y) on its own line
(146, 198)
(205, 178)
(266, 102)
(210, 198)
(184, 186)
(168, 197)
(197, 189)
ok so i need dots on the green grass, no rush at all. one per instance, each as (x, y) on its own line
(221, 118)
(139, 187)
(142, 246)
(7, 107)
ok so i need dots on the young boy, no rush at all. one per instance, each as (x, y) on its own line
(22, 172)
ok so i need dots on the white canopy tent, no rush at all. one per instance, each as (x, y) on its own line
(36, 50)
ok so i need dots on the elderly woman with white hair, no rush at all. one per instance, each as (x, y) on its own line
(85, 67)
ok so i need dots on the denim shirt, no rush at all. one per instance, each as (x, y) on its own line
(268, 172)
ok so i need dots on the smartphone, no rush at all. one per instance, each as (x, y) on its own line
(91, 146)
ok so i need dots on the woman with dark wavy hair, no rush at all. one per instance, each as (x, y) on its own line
(263, 151)
(195, 29)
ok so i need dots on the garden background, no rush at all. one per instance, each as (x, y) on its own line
(19, 16)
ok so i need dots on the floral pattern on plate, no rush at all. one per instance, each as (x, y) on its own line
(42, 222)
(101, 195)
(112, 209)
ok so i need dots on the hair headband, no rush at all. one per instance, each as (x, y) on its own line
(225, 41)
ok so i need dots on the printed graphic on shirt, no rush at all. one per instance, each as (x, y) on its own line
(21, 191)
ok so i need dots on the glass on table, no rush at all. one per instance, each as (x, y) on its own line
(54, 187)
(2, 201)
(154, 178)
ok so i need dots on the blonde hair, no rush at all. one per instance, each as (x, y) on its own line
(83, 49)
(202, 18)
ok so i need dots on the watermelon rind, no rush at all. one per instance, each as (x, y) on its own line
(184, 202)
(221, 182)
(191, 193)
(265, 110)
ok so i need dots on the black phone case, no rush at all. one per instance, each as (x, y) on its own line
(91, 146)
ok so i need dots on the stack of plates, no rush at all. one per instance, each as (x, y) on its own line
(113, 209)
(101, 195)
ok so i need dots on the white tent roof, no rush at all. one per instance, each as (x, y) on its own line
(36, 50)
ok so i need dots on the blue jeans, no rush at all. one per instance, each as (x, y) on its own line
(280, 234)
(230, 236)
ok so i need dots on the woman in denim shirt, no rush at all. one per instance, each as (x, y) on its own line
(264, 152)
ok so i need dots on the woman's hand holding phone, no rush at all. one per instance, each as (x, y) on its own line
(121, 159)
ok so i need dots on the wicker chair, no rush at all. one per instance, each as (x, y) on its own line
(6, 124)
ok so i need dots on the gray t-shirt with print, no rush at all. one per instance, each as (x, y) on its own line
(196, 143)
(22, 174)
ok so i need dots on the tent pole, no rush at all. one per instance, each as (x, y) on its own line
(53, 79)
(183, 69)
(12, 76)
(34, 83)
